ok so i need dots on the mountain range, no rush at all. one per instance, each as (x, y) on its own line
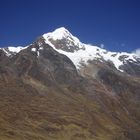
(58, 88)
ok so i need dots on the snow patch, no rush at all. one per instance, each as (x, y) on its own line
(33, 49)
(13, 50)
(37, 51)
(6, 52)
(40, 48)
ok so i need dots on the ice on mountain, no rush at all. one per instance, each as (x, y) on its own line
(33, 49)
(89, 52)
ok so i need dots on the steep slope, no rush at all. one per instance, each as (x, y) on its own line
(45, 95)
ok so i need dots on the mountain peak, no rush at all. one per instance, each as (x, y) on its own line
(58, 34)
(62, 39)
(61, 29)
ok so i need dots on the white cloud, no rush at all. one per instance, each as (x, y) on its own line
(102, 46)
(137, 51)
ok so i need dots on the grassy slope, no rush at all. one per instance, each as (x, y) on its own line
(32, 111)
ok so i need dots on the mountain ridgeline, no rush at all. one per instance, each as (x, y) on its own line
(59, 88)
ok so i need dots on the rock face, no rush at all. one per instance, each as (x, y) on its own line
(51, 91)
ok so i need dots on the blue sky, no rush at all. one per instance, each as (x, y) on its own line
(114, 23)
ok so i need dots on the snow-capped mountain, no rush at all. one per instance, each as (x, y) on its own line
(80, 53)
(64, 42)
(12, 50)
(59, 88)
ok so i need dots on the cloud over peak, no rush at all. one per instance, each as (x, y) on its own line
(137, 51)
